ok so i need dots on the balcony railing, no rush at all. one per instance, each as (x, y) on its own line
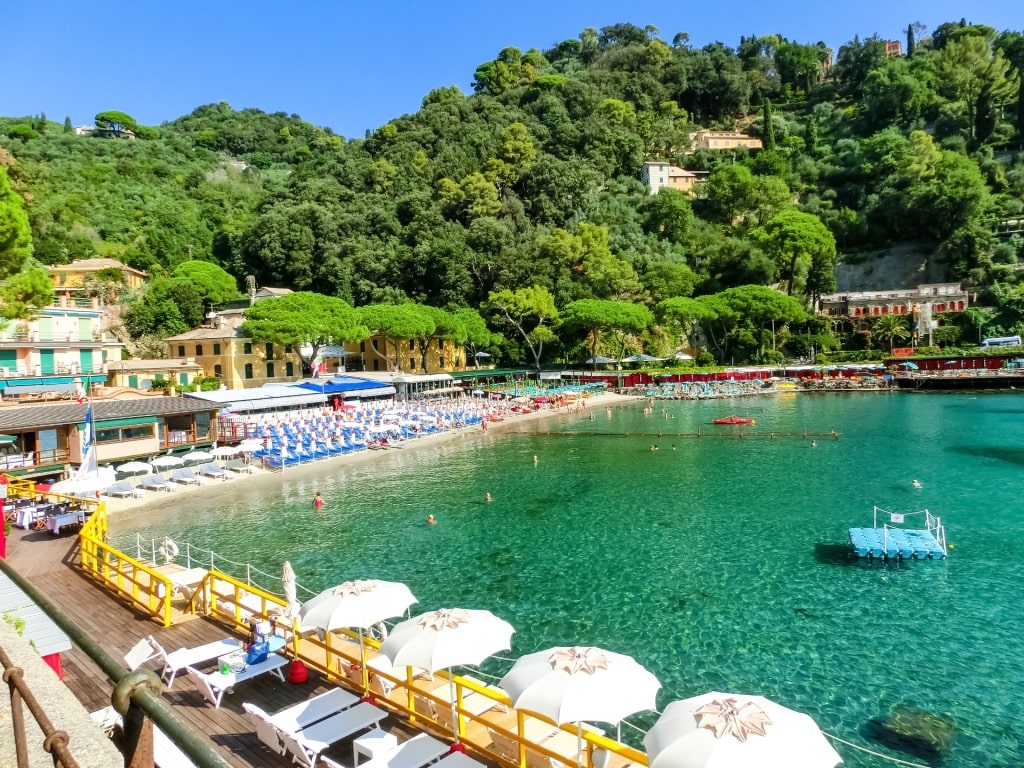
(35, 337)
(35, 371)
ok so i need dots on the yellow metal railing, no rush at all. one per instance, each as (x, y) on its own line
(143, 585)
(337, 655)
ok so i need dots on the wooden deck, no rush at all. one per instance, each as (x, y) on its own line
(50, 564)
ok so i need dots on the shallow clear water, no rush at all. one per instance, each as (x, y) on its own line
(720, 564)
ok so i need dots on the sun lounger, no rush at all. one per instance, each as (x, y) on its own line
(156, 483)
(298, 716)
(213, 686)
(458, 760)
(213, 469)
(183, 658)
(306, 745)
(186, 476)
(417, 752)
(123, 489)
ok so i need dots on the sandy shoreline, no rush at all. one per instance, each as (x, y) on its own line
(213, 490)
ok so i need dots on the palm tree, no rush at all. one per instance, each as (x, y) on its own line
(891, 328)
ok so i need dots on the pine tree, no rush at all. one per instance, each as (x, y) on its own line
(769, 126)
(68, 128)
(911, 42)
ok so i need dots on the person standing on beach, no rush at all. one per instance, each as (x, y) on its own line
(318, 502)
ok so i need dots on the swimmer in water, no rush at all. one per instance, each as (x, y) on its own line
(916, 483)
(431, 520)
(489, 497)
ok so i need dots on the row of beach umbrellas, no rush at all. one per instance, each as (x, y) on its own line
(170, 462)
(571, 684)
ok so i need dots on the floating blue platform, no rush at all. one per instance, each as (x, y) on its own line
(888, 542)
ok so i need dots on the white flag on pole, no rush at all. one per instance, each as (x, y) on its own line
(88, 443)
(895, 517)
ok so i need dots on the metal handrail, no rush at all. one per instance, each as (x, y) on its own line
(137, 695)
(54, 741)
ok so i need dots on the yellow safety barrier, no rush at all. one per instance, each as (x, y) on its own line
(338, 655)
(143, 585)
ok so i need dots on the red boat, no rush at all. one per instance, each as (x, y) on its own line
(734, 419)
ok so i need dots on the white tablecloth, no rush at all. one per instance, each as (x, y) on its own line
(55, 522)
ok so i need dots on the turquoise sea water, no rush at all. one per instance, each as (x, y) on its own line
(719, 565)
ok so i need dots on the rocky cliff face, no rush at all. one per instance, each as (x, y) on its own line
(903, 266)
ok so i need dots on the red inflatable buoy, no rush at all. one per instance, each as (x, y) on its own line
(297, 672)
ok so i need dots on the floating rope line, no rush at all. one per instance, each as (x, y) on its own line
(876, 754)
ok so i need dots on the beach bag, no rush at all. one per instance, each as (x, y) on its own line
(257, 652)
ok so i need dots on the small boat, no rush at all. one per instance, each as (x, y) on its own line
(734, 419)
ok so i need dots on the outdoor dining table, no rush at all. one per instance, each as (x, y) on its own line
(54, 523)
(26, 517)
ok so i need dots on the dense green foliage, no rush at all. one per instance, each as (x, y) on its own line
(522, 199)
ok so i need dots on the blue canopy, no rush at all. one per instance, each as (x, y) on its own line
(339, 385)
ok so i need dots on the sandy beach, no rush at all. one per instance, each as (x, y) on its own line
(213, 490)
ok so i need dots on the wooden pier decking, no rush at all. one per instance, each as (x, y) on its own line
(50, 563)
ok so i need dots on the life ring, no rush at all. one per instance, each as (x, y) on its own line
(379, 631)
(168, 550)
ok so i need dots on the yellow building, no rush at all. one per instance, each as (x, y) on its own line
(82, 275)
(377, 354)
(715, 140)
(656, 175)
(143, 374)
(238, 361)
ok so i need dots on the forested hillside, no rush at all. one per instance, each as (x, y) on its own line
(533, 181)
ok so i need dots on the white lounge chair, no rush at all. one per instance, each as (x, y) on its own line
(140, 653)
(298, 716)
(213, 469)
(417, 752)
(306, 745)
(156, 483)
(213, 686)
(458, 760)
(186, 477)
(123, 489)
(175, 661)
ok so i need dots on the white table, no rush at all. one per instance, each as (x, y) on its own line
(25, 517)
(373, 744)
(55, 522)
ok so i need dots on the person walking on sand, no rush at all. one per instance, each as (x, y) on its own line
(318, 502)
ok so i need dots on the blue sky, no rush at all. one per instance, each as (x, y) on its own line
(354, 65)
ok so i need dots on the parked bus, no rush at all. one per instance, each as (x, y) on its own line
(1002, 341)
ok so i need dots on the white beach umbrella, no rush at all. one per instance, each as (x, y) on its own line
(197, 456)
(250, 444)
(447, 638)
(135, 468)
(162, 462)
(573, 684)
(359, 604)
(226, 451)
(729, 730)
(290, 590)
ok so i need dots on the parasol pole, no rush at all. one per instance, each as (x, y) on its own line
(362, 667)
(456, 722)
